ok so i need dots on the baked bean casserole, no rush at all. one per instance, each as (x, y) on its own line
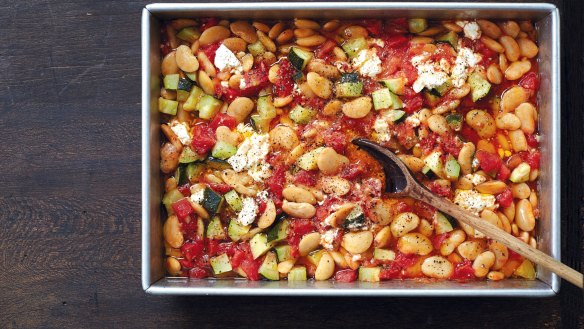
(262, 181)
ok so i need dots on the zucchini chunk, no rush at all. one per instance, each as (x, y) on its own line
(256, 49)
(260, 124)
(383, 254)
(220, 264)
(454, 120)
(417, 25)
(307, 161)
(188, 155)
(259, 245)
(193, 171)
(269, 267)
(297, 273)
(193, 99)
(396, 85)
(223, 150)
(349, 89)
(353, 46)
(284, 252)
(266, 108)
(189, 34)
(350, 77)
(479, 86)
(369, 274)
(450, 37)
(299, 58)
(167, 106)
(217, 164)
(215, 229)
(452, 168)
(233, 200)
(169, 198)
(212, 201)
(279, 231)
(236, 230)
(355, 219)
(443, 223)
(301, 114)
(171, 81)
(208, 106)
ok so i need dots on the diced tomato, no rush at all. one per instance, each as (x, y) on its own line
(504, 173)
(463, 271)
(323, 210)
(197, 273)
(221, 188)
(405, 260)
(406, 135)
(347, 275)
(515, 256)
(275, 183)
(440, 190)
(469, 134)
(211, 50)
(487, 54)
(325, 50)
(423, 210)
(353, 171)
(336, 140)
(190, 229)
(285, 81)
(182, 208)
(237, 258)
(390, 272)
(531, 158)
(184, 189)
(208, 22)
(374, 26)
(262, 205)
(255, 80)
(532, 140)
(489, 162)
(212, 247)
(298, 228)
(226, 248)
(451, 144)
(437, 240)
(428, 143)
(363, 126)
(251, 267)
(370, 85)
(203, 138)
(222, 119)
(308, 178)
(403, 207)
(395, 40)
(530, 81)
(505, 198)
(192, 249)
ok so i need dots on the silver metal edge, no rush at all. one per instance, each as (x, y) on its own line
(171, 7)
(146, 277)
(158, 288)
(556, 142)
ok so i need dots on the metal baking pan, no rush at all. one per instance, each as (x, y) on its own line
(546, 17)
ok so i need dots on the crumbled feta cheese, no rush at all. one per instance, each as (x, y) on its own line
(224, 58)
(475, 164)
(413, 120)
(367, 63)
(430, 76)
(242, 83)
(198, 196)
(474, 201)
(328, 238)
(476, 179)
(296, 89)
(263, 195)
(472, 31)
(465, 62)
(225, 84)
(381, 128)
(377, 42)
(181, 130)
(251, 155)
(248, 212)
(356, 258)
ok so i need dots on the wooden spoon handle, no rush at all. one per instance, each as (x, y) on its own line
(495, 233)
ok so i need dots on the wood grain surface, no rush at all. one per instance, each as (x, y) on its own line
(70, 192)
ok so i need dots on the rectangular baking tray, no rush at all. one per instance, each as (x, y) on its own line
(546, 18)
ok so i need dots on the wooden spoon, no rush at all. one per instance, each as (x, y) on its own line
(401, 182)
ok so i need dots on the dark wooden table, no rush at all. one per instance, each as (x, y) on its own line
(70, 191)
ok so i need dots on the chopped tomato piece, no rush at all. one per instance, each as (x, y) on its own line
(184, 189)
(336, 140)
(489, 162)
(325, 50)
(198, 273)
(463, 271)
(285, 81)
(531, 158)
(304, 177)
(212, 247)
(208, 22)
(353, 171)
(182, 208)
(347, 275)
(251, 267)
(211, 50)
(275, 183)
(439, 239)
(221, 188)
(530, 81)
(505, 198)
(390, 272)
(504, 173)
(374, 26)
(532, 140)
(222, 119)
(203, 138)
(192, 249)
(469, 134)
